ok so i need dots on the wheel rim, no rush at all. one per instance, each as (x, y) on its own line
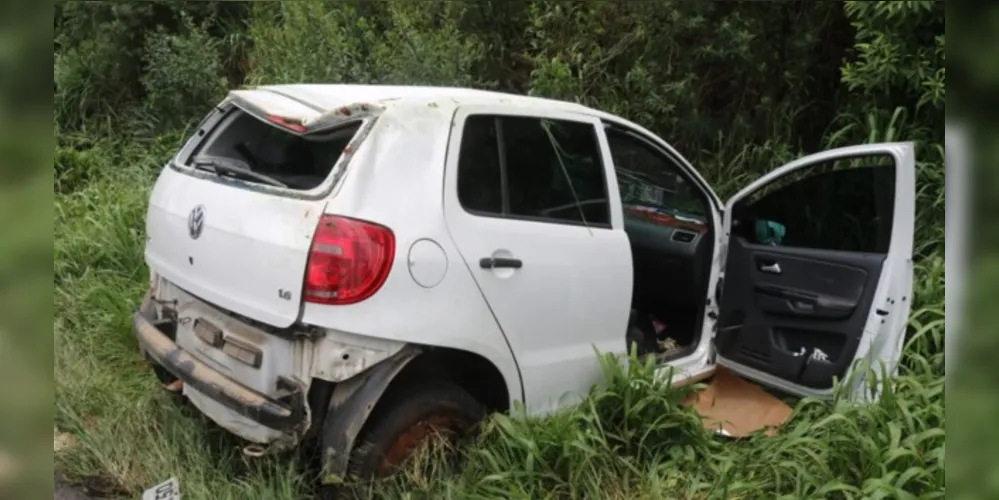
(448, 425)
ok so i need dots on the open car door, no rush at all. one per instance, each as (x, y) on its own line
(818, 271)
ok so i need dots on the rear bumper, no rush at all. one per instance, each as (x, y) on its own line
(288, 414)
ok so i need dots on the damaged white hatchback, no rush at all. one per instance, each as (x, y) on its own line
(358, 265)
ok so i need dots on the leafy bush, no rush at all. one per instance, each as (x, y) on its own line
(183, 73)
(894, 61)
(710, 78)
(308, 42)
(423, 45)
(74, 169)
(88, 79)
(104, 50)
(401, 42)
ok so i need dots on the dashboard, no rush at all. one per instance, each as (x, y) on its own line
(670, 252)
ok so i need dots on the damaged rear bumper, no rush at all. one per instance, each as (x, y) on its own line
(285, 414)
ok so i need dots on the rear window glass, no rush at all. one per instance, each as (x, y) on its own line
(272, 156)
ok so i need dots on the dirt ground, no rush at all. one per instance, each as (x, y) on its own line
(64, 491)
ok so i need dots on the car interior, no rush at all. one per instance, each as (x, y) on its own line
(298, 162)
(667, 220)
(803, 264)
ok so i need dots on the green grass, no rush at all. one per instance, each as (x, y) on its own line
(631, 440)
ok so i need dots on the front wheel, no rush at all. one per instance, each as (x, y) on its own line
(406, 419)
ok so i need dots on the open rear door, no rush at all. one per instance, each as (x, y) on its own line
(818, 272)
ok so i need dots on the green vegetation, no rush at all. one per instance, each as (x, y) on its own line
(739, 88)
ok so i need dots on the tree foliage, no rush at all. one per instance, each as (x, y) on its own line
(735, 86)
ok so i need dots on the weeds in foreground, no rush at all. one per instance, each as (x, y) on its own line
(633, 439)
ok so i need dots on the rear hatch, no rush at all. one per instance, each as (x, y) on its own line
(232, 217)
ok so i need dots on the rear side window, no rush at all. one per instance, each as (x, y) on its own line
(532, 168)
(274, 156)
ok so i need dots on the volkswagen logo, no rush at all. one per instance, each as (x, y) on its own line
(196, 221)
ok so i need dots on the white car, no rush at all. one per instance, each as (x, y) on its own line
(354, 265)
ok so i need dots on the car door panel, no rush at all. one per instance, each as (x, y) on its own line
(820, 300)
(811, 284)
(799, 314)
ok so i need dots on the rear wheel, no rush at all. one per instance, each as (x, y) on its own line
(406, 419)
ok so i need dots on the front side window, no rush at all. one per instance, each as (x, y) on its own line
(534, 169)
(844, 205)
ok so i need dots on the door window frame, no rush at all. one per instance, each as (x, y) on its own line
(682, 169)
(715, 203)
(613, 201)
(899, 154)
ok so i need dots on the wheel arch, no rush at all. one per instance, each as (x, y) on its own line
(472, 372)
(354, 401)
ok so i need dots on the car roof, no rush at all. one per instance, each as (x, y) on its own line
(328, 97)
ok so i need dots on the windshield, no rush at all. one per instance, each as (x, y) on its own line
(675, 198)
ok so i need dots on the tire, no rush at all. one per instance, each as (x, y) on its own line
(406, 418)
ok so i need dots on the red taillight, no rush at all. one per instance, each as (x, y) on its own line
(348, 262)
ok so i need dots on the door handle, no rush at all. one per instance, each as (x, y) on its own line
(771, 268)
(500, 262)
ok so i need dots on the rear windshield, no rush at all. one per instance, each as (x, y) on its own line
(242, 141)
